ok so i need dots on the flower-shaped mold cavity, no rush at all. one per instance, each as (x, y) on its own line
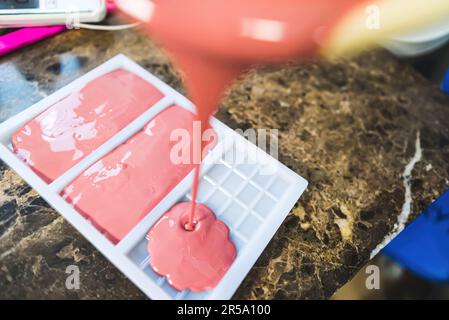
(190, 260)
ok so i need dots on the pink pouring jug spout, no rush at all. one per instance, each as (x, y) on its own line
(214, 41)
(243, 32)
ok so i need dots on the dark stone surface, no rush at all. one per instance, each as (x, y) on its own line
(349, 127)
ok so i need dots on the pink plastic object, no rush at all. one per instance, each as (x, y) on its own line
(26, 36)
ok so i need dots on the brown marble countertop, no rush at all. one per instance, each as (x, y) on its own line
(350, 127)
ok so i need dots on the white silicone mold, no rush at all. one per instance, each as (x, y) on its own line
(247, 189)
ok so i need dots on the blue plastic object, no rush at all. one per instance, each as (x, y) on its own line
(423, 247)
(445, 84)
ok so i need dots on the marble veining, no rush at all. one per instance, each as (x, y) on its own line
(407, 206)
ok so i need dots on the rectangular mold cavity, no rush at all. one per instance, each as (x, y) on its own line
(90, 115)
(252, 202)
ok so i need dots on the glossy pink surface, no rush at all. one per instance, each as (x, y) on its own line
(194, 260)
(120, 189)
(72, 128)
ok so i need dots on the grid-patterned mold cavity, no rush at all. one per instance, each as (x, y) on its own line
(241, 194)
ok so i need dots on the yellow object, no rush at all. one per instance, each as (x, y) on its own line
(372, 22)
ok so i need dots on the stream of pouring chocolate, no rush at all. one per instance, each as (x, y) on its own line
(215, 41)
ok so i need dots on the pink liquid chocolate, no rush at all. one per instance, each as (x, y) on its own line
(73, 127)
(195, 260)
(119, 190)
